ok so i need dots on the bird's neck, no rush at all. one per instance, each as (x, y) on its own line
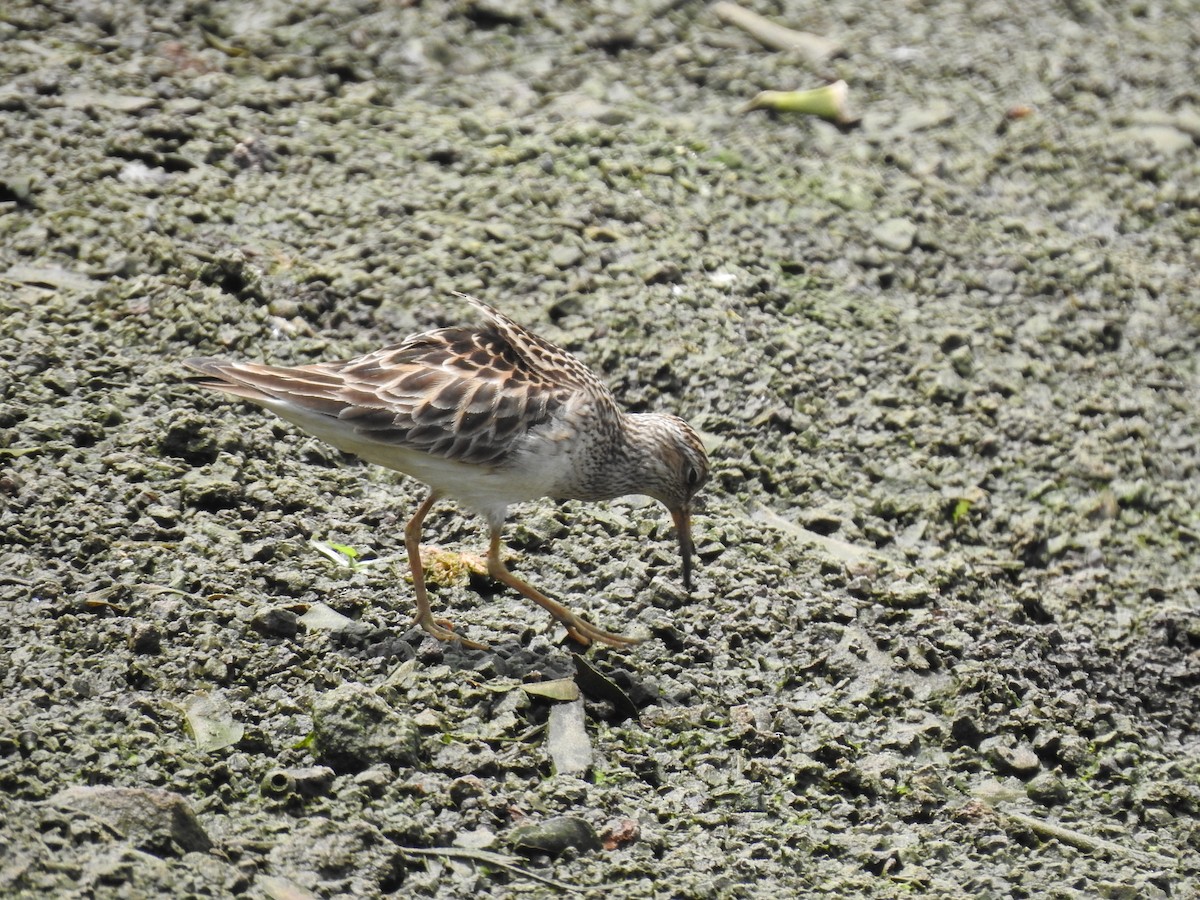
(621, 466)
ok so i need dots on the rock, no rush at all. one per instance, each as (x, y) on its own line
(822, 520)
(1019, 760)
(1165, 140)
(895, 234)
(211, 490)
(495, 12)
(555, 835)
(166, 516)
(947, 386)
(338, 857)
(922, 118)
(476, 839)
(567, 739)
(962, 360)
(1047, 789)
(1000, 282)
(966, 731)
(353, 728)
(276, 622)
(465, 759)
(306, 781)
(565, 256)
(158, 821)
(667, 272)
(145, 638)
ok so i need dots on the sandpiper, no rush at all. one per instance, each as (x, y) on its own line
(486, 415)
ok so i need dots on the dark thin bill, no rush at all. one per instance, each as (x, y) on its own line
(683, 528)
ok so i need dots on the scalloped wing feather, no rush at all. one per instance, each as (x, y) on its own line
(464, 394)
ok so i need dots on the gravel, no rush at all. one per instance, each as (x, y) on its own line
(944, 636)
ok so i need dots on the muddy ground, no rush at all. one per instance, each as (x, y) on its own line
(944, 638)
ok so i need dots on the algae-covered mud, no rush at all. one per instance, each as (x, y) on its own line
(944, 636)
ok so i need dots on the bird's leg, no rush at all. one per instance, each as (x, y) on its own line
(412, 543)
(580, 629)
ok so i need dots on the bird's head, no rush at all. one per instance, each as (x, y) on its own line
(674, 469)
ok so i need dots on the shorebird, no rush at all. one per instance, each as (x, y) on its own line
(486, 415)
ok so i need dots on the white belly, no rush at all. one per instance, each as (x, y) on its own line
(487, 490)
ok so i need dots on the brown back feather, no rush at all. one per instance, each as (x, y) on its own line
(467, 394)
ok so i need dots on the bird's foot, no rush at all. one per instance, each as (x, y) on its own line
(444, 631)
(585, 632)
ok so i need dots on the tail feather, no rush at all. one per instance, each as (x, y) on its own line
(219, 375)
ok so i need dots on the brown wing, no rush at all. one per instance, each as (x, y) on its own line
(459, 393)
(538, 356)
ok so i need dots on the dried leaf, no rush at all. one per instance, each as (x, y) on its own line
(211, 724)
(560, 689)
(599, 687)
(324, 618)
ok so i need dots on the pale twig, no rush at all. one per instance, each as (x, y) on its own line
(1084, 841)
(773, 36)
(490, 858)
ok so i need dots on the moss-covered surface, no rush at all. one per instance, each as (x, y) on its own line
(944, 641)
